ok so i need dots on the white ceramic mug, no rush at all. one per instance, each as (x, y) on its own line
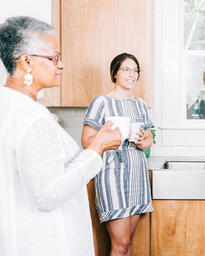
(123, 123)
(135, 127)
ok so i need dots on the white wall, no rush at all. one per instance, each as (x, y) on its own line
(40, 9)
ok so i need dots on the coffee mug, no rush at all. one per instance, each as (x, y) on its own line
(123, 123)
(135, 127)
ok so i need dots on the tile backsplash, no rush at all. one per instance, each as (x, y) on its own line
(71, 119)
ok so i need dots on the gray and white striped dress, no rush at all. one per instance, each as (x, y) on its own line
(122, 187)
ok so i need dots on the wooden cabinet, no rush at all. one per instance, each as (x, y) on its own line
(100, 235)
(91, 33)
(141, 240)
(53, 95)
(177, 228)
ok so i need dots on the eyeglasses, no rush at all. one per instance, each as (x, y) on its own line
(55, 59)
(127, 70)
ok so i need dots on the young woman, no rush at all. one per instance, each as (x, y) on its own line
(122, 186)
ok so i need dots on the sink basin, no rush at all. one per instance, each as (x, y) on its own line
(179, 180)
(184, 165)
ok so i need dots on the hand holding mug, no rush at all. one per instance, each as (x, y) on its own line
(135, 131)
(107, 138)
(139, 138)
(123, 123)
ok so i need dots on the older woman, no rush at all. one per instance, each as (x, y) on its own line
(43, 174)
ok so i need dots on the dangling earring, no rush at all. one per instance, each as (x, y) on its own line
(28, 78)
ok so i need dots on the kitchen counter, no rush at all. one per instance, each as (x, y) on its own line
(176, 227)
(163, 231)
(182, 178)
(156, 162)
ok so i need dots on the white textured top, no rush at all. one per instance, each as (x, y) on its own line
(44, 207)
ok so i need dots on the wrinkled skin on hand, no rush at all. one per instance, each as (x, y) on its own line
(108, 137)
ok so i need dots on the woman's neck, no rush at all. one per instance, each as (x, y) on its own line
(29, 91)
(118, 93)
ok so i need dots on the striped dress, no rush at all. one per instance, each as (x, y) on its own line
(122, 187)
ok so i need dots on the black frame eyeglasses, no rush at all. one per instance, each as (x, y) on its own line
(136, 71)
(55, 59)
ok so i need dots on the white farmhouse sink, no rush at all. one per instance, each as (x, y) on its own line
(179, 180)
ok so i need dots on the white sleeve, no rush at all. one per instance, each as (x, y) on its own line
(40, 162)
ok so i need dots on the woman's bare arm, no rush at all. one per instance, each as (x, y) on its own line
(104, 139)
(88, 134)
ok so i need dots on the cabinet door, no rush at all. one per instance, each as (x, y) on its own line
(100, 234)
(177, 228)
(92, 33)
(141, 239)
(52, 96)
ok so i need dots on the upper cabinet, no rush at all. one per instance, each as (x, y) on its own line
(91, 33)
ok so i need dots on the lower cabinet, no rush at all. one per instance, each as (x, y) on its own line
(175, 228)
(178, 228)
(141, 240)
(100, 235)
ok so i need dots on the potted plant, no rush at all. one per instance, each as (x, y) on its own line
(148, 151)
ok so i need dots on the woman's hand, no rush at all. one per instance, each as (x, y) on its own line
(144, 139)
(105, 139)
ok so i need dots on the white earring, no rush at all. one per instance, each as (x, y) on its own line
(28, 78)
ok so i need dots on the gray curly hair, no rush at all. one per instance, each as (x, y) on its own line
(18, 36)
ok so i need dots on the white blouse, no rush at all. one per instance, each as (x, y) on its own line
(44, 206)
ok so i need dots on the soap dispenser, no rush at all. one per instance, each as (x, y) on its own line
(196, 107)
(202, 109)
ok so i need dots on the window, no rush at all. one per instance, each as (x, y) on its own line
(194, 58)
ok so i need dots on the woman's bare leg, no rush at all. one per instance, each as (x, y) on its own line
(121, 232)
(134, 221)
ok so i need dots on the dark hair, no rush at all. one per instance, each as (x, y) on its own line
(117, 61)
(16, 39)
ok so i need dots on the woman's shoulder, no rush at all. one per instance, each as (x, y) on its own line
(98, 100)
(24, 109)
(22, 112)
(29, 106)
(140, 101)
